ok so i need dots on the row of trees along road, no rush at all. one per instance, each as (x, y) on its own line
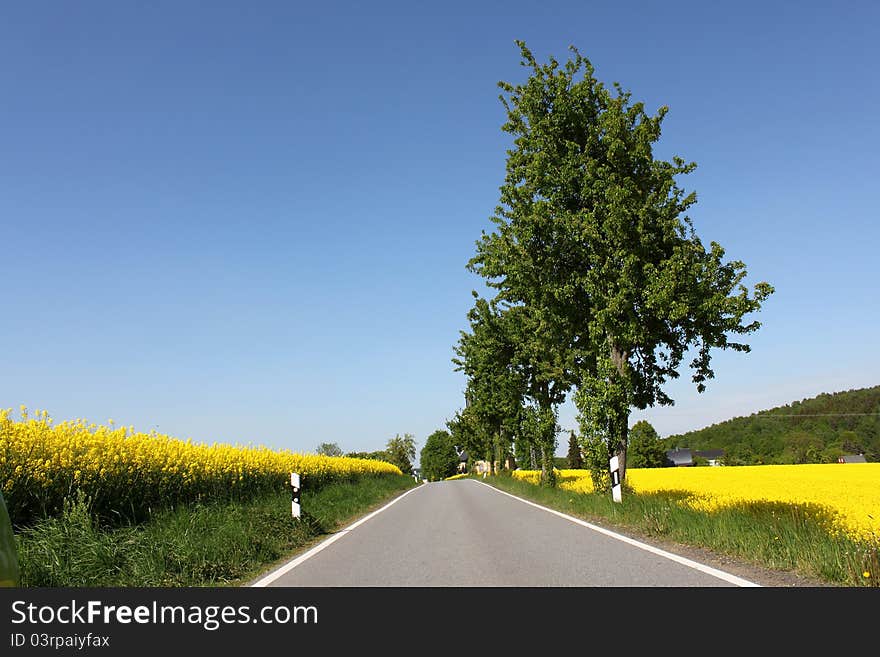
(399, 451)
(601, 283)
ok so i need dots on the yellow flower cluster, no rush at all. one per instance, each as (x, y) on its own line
(530, 476)
(849, 493)
(128, 473)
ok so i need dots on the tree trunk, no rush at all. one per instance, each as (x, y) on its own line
(622, 437)
(548, 475)
(548, 440)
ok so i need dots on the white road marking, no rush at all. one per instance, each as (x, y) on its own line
(290, 565)
(720, 574)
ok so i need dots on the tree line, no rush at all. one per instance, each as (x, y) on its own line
(399, 451)
(820, 429)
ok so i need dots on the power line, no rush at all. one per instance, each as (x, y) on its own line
(816, 415)
(773, 415)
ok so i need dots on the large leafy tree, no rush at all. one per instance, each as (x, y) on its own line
(592, 236)
(438, 458)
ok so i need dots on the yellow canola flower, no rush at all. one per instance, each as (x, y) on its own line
(122, 470)
(848, 492)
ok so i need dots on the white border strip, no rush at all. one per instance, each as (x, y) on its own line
(720, 574)
(290, 565)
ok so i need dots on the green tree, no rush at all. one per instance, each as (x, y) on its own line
(842, 422)
(511, 358)
(574, 457)
(595, 443)
(466, 434)
(851, 443)
(645, 449)
(489, 356)
(802, 447)
(592, 237)
(438, 458)
(401, 451)
(329, 449)
(528, 437)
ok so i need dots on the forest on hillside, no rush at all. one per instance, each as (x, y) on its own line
(815, 430)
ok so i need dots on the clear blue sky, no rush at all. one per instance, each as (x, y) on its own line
(249, 221)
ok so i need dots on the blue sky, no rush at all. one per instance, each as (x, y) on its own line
(248, 222)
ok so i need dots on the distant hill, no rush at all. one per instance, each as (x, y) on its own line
(815, 430)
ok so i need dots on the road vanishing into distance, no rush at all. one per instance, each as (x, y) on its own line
(464, 533)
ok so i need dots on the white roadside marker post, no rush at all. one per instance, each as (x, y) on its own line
(616, 494)
(294, 494)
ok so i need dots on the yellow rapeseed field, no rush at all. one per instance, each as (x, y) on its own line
(129, 473)
(849, 492)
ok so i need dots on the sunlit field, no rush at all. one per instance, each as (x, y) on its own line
(850, 492)
(129, 474)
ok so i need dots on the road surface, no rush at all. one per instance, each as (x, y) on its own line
(465, 533)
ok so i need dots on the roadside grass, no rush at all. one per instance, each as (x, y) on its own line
(770, 535)
(222, 544)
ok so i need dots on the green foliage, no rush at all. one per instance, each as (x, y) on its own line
(596, 459)
(527, 438)
(645, 450)
(329, 449)
(489, 356)
(595, 440)
(547, 443)
(438, 458)
(814, 430)
(574, 458)
(469, 435)
(401, 451)
(211, 544)
(380, 455)
(594, 246)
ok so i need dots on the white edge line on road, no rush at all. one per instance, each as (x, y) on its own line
(290, 565)
(720, 574)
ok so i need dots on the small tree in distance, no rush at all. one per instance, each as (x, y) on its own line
(645, 447)
(401, 451)
(329, 449)
(575, 459)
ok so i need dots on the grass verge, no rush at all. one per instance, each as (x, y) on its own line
(770, 535)
(224, 544)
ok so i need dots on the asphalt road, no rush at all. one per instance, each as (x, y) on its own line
(465, 533)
